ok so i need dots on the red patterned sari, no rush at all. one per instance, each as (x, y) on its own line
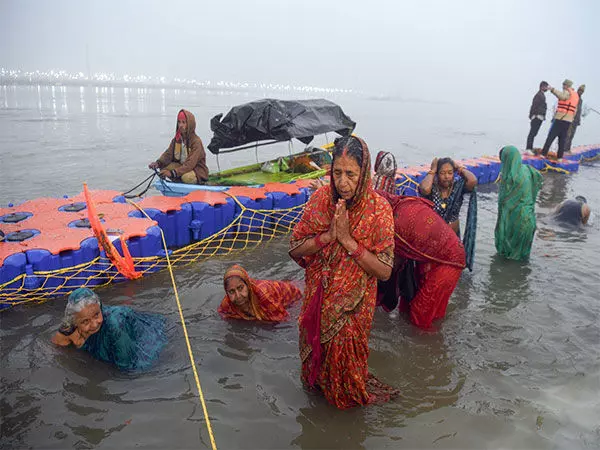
(268, 299)
(340, 297)
(421, 235)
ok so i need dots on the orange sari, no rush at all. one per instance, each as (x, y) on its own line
(340, 297)
(268, 299)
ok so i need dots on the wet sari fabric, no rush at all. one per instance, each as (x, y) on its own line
(130, 340)
(516, 222)
(340, 297)
(422, 236)
(448, 209)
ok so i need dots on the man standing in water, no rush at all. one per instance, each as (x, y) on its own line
(537, 113)
(577, 119)
(565, 113)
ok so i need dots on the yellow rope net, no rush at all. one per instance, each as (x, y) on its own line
(247, 230)
(400, 187)
(549, 168)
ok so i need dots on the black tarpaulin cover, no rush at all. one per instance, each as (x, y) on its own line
(279, 120)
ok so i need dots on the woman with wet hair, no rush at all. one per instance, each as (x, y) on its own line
(114, 334)
(516, 222)
(442, 186)
(250, 299)
(345, 243)
(445, 185)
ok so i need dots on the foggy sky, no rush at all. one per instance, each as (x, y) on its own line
(475, 52)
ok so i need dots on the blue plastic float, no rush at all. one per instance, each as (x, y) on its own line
(60, 243)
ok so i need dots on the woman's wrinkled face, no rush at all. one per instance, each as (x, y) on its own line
(237, 291)
(89, 320)
(182, 126)
(446, 175)
(346, 174)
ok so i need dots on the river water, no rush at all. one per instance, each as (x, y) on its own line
(515, 364)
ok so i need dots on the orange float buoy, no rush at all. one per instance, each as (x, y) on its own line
(124, 264)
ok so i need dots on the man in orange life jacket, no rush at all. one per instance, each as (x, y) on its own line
(565, 113)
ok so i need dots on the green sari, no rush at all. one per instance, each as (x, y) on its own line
(516, 222)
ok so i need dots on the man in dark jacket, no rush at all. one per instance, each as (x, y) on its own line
(577, 120)
(537, 113)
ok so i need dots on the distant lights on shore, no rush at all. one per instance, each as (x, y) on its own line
(55, 76)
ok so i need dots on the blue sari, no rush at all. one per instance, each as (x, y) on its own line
(449, 210)
(471, 230)
(128, 339)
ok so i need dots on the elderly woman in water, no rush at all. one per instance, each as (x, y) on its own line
(250, 299)
(384, 178)
(345, 243)
(114, 334)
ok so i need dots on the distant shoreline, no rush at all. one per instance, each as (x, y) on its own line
(123, 84)
(171, 85)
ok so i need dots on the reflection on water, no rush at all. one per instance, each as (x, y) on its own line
(236, 343)
(520, 340)
(554, 190)
(422, 367)
(508, 284)
(320, 429)
(17, 414)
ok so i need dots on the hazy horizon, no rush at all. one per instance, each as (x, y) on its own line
(469, 52)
